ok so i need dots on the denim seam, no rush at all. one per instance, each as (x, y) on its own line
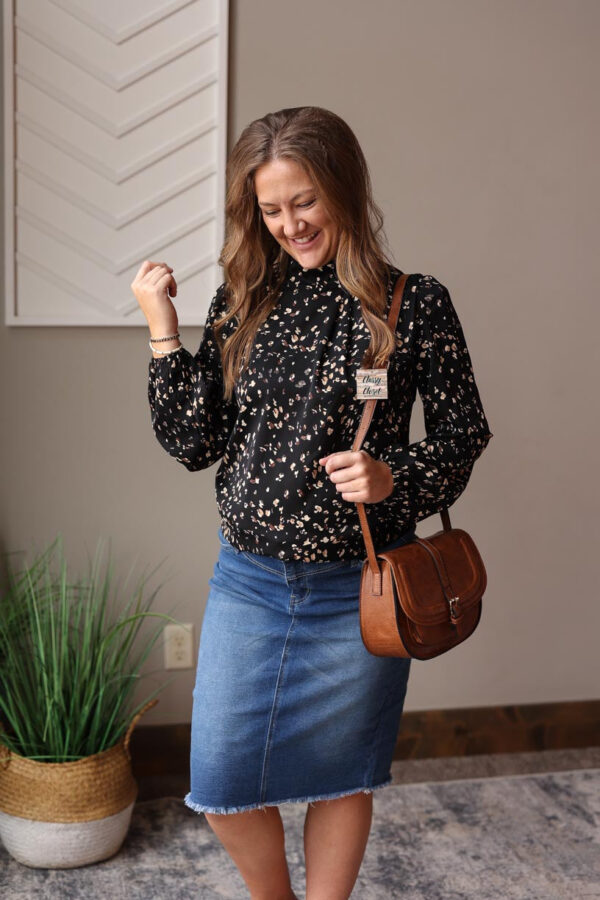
(259, 564)
(256, 562)
(230, 547)
(376, 742)
(274, 708)
(334, 565)
(296, 602)
(203, 808)
(320, 571)
(351, 563)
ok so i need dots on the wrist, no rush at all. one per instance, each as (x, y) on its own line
(160, 347)
(162, 327)
(164, 349)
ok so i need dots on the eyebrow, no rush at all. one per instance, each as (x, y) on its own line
(295, 197)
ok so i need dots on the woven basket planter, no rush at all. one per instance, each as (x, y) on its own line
(67, 814)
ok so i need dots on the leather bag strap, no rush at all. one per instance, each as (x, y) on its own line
(363, 427)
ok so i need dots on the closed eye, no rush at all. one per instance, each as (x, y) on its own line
(274, 212)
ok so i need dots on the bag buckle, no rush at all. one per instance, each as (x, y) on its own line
(453, 611)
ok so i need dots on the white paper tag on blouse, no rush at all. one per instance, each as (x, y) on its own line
(371, 384)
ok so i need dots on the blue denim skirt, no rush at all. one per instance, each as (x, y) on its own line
(288, 704)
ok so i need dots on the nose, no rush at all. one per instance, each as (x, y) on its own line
(293, 226)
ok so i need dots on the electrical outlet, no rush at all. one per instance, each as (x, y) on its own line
(178, 643)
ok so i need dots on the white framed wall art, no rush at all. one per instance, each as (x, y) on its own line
(115, 120)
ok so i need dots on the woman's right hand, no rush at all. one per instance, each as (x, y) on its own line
(151, 287)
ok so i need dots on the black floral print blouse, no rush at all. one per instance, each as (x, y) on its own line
(295, 403)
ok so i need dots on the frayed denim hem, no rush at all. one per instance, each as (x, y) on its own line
(201, 808)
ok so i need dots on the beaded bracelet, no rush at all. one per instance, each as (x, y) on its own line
(169, 337)
(165, 352)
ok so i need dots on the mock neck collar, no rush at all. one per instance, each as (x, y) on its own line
(296, 268)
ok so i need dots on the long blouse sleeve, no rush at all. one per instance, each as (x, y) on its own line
(190, 419)
(432, 473)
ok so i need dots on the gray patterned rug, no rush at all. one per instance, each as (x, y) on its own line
(522, 837)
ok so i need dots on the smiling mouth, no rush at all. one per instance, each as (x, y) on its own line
(307, 241)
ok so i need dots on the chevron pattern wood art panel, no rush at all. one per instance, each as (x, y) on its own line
(115, 151)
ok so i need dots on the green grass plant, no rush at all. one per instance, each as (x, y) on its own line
(70, 656)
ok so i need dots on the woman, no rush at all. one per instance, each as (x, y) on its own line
(288, 705)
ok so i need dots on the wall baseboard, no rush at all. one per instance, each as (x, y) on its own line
(423, 734)
(518, 728)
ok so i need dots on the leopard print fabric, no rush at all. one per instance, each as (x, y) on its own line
(295, 403)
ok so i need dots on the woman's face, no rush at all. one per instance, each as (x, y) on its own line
(291, 209)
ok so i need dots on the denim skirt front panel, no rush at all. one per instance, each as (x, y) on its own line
(288, 704)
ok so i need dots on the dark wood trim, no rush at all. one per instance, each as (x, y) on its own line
(425, 734)
(499, 729)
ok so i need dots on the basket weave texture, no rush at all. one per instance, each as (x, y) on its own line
(81, 790)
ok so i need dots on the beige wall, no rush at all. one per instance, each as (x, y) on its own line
(478, 123)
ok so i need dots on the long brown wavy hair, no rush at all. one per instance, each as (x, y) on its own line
(255, 264)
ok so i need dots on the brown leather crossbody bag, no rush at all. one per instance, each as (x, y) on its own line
(422, 598)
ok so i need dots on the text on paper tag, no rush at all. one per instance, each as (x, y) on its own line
(371, 384)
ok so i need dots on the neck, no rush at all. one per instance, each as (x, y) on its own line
(297, 267)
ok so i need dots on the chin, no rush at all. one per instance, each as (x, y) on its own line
(309, 259)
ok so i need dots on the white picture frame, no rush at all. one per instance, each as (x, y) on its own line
(115, 143)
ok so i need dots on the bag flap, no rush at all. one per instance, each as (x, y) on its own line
(417, 583)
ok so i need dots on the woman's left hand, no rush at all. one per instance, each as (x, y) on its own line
(359, 477)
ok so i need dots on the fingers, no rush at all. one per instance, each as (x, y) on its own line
(153, 288)
(149, 269)
(344, 459)
(158, 271)
(161, 275)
